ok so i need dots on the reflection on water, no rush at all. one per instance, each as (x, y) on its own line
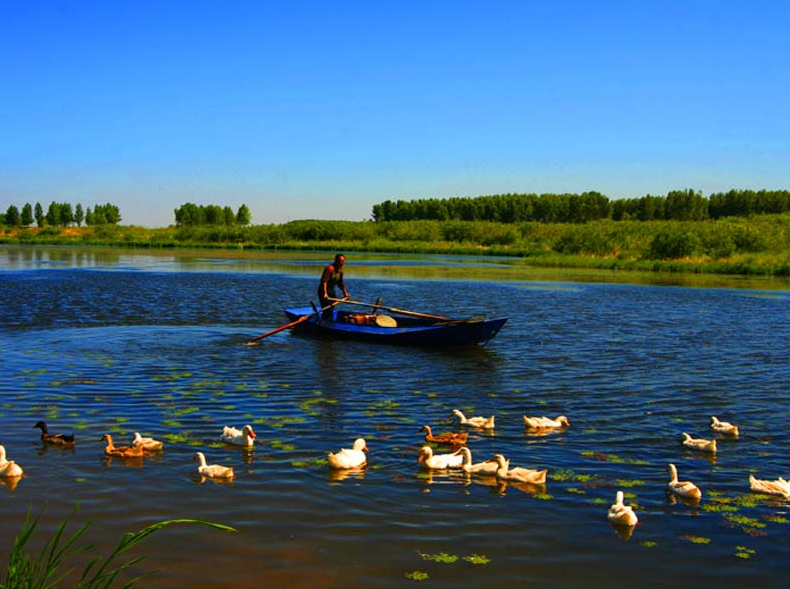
(153, 343)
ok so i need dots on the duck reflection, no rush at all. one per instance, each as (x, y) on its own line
(673, 499)
(44, 448)
(625, 532)
(10, 482)
(200, 479)
(342, 474)
(124, 461)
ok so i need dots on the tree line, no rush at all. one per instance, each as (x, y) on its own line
(192, 215)
(60, 214)
(677, 205)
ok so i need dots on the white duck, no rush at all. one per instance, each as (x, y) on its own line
(620, 514)
(350, 458)
(149, 444)
(517, 475)
(238, 437)
(8, 468)
(482, 468)
(685, 489)
(439, 461)
(479, 422)
(699, 444)
(778, 487)
(545, 422)
(723, 427)
(214, 471)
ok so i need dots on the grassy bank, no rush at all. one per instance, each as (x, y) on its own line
(758, 245)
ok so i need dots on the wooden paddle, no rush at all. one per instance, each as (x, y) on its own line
(394, 310)
(301, 319)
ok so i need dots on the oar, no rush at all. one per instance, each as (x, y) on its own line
(301, 319)
(394, 310)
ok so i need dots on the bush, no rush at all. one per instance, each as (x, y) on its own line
(673, 243)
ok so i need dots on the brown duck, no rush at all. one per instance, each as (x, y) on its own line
(456, 439)
(55, 439)
(122, 451)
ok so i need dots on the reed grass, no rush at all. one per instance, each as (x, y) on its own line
(49, 567)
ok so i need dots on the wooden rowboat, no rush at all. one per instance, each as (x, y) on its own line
(385, 329)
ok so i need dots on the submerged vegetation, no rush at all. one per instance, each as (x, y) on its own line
(758, 245)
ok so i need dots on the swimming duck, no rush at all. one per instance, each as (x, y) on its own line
(239, 437)
(8, 468)
(56, 439)
(620, 514)
(723, 427)
(685, 489)
(481, 468)
(517, 475)
(122, 451)
(699, 443)
(214, 471)
(479, 422)
(350, 458)
(438, 461)
(449, 438)
(148, 444)
(778, 487)
(545, 422)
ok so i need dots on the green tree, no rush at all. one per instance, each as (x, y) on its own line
(79, 215)
(53, 214)
(243, 215)
(27, 215)
(12, 217)
(66, 214)
(39, 214)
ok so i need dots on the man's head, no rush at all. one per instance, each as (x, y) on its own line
(340, 259)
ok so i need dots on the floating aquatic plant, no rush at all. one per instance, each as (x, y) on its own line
(648, 543)
(629, 483)
(744, 552)
(440, 557)
(416, 575)
(777, 519)
(576, 491)
(477, 559)
(696, 539)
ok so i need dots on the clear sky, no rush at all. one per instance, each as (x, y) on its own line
(322, 109)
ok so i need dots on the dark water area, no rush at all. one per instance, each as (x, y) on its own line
(118, 342)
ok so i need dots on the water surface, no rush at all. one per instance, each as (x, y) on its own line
(97, 341)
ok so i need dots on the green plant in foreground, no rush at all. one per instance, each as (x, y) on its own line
(44, 571)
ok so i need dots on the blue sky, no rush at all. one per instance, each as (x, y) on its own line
(323, 109)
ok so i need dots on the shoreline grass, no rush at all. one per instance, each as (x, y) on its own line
(751, 246)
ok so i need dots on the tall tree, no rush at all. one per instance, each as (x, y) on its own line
(79, 215)
(27, 215)
(39, 214)
(243, 215)
(12, 216)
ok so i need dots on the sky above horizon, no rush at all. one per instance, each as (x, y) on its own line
(321, 110)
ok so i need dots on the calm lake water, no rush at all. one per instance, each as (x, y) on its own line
(96, 341)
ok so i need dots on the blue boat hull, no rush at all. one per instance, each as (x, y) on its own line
(409, 332)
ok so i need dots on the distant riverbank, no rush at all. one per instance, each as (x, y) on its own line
(758, 245)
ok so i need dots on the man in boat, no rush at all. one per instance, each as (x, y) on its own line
(331, 277)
